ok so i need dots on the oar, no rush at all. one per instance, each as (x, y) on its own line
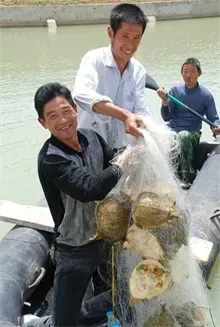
(151, 84)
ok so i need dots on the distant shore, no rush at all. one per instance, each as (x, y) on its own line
(76, 12)
(16, 3)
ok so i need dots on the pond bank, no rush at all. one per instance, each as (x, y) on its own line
(99, 13)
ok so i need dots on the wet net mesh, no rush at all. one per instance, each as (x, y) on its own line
(157, 279)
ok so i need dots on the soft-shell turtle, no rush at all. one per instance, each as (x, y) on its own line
(112, 217)
(153, 210)
(190, 315)
(149, 279)
(172, 236)
(163, 319)
(142, 242)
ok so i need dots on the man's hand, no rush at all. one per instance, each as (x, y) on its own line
(162, 94)
(216, 130)
(131, 121)
(123, 159)
(132, 124)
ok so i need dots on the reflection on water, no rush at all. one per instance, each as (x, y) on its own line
(31, 57)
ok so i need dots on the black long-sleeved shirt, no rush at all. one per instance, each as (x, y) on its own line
(73, 180)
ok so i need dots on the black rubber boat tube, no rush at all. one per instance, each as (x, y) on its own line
(23, 257)
(203, 203)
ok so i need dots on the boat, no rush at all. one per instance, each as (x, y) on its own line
(203, 204)
(26, 271)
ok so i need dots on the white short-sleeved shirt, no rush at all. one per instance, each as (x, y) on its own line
(99, 79)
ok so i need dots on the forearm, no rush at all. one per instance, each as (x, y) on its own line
(77, 181)
(215, 119)
(165, 102)
(103, 183)
(165, 113)
(211, 112)
(212, 115)
(85, 98)
(86, 188)
(85, 92)
(109, 109)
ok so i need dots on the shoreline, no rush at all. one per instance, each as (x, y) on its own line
(78, 14)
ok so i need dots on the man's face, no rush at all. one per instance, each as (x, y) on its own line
(126, 40)
(60, 117)
(190, 75)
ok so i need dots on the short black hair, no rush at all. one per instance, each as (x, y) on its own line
(48, 92)
(127, 13)
(192, 61)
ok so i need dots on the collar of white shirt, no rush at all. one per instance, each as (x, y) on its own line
(110, 60)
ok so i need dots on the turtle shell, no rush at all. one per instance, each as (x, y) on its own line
(112, 217)
(172, 236)
(153, 210)
(190, 315)
(163, 318)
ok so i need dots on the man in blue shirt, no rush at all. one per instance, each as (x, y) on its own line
(187, 125)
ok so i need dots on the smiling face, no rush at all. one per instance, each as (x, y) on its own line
(60, 117)
(190, 75)
(125, 42)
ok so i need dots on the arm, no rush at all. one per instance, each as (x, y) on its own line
(76, 181)
(165, 113)
(88, 99)
(167, 107)
(211, 114)
(86, 82)
(130, 120)
(164, 110)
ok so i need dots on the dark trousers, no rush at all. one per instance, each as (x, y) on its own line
(189, 141)
(74, 268)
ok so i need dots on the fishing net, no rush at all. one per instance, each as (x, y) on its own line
(157, 279)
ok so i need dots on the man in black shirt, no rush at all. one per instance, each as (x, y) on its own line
(74, 170)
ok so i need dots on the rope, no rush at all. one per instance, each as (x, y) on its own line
(113, 268)
(113, 278)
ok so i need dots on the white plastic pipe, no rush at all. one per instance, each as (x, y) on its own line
(52, 26)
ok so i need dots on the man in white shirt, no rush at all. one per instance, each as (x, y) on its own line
(109, 86)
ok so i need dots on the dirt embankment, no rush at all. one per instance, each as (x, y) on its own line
(68, 2)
